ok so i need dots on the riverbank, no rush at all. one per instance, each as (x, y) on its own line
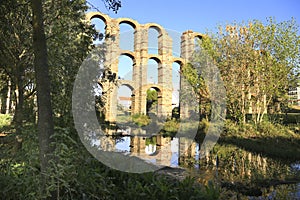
(272, 140)
(244, 167)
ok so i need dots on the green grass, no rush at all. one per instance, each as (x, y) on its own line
(171, 127)
(141, 120)
(5, 120)
(272, 140)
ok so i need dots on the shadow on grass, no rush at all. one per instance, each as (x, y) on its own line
(281, 148)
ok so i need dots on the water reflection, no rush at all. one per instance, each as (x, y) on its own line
(157, 149)
(232, 167)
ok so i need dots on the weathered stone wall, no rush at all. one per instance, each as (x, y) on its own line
(140, 57)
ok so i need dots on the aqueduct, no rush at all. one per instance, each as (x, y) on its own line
(140, 57)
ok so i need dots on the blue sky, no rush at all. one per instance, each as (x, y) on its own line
(199, 16)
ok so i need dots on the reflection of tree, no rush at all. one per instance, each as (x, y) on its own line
(150, 145)
(151, 140)
(244, 171)
(187, 152)
(118, 139)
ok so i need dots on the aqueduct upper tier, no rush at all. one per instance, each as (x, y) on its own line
(140, 57)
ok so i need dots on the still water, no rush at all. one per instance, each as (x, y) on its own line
(231, 167)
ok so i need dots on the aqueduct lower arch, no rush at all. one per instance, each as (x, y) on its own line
(139, 82)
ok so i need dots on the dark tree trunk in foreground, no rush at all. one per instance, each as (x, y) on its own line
(18, 116)
(45, 119)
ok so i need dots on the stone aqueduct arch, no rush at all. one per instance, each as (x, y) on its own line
(140, 57)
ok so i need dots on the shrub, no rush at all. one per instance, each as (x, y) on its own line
(141, 120)
(203, 125)
(5, 120)
(171, 126)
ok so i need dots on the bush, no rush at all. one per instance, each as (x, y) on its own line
(204, 125)
(5, 120)
(266, 128)
(171, 126)
(141, 120)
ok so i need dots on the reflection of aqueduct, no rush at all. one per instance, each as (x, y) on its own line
(140, 57)
(161, 152)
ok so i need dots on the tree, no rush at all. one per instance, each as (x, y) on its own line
(16, 54)
(69, 41)
(16, 67)
(45, 119)
(257, 63)
(277, 62)
(200, 90)
(48, 40)
(151, 99)
(41, 66)
(112, 4)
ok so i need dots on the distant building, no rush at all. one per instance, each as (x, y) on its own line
(125, 101)
(294, 95)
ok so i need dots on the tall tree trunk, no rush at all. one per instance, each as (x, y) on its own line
(7, 108)
(18, 116)
(0, 105)
(45, 118)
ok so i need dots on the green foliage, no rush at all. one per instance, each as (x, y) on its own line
(204, 125)
(151, 140)
(5, 120)
(75, 174)
(69, 42)
(176, 113)
(20, 170)
(141, 120)
(268, 129)
(289, 118)
(258, 62)
(16, 55)
(115, 5)
(151, 95)
(193, 77)
(212, 190)
(171, 126)
(269, 139)
(151, 100)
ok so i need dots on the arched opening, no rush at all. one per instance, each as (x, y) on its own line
(176, 84)
(126, 36)
(176, 42)
(99, 25)
(153, 104)
(99, 101)
(150, 145)
(153, 35)
(125, 67)
(197, 42)
(124, 103)
(152, 71)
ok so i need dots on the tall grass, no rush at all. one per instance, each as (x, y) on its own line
(5, 120)
(270, 139)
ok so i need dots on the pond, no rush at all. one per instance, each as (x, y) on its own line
(232, 168)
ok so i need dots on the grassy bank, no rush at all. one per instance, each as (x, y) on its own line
(270, 137)
(272, 140)
(77, 175)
